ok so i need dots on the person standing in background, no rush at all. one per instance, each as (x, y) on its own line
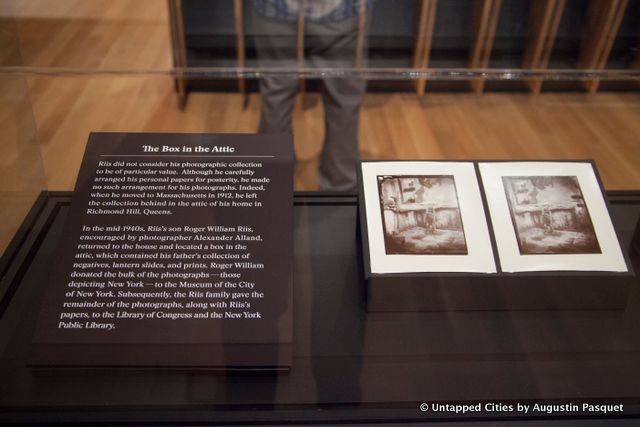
(331, 34)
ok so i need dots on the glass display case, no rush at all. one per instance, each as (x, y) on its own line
(352, 80)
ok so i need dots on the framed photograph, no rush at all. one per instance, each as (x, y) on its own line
(550, 216)
(425, 217)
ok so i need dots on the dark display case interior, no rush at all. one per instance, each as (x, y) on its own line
(348, 363)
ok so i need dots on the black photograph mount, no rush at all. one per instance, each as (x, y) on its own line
(177, 253)
(443, 290)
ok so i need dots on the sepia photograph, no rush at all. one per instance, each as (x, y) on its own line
(421, 215)
(549, 215)
(425, 216)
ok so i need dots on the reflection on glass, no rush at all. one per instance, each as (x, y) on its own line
(69, 67)
(21, 173)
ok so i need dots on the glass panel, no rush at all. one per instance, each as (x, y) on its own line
(93, 35)
(21, 173)
(378, 79)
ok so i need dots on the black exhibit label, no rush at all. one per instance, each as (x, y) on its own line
(178, 249)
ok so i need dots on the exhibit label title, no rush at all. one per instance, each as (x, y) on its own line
(187, 149)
